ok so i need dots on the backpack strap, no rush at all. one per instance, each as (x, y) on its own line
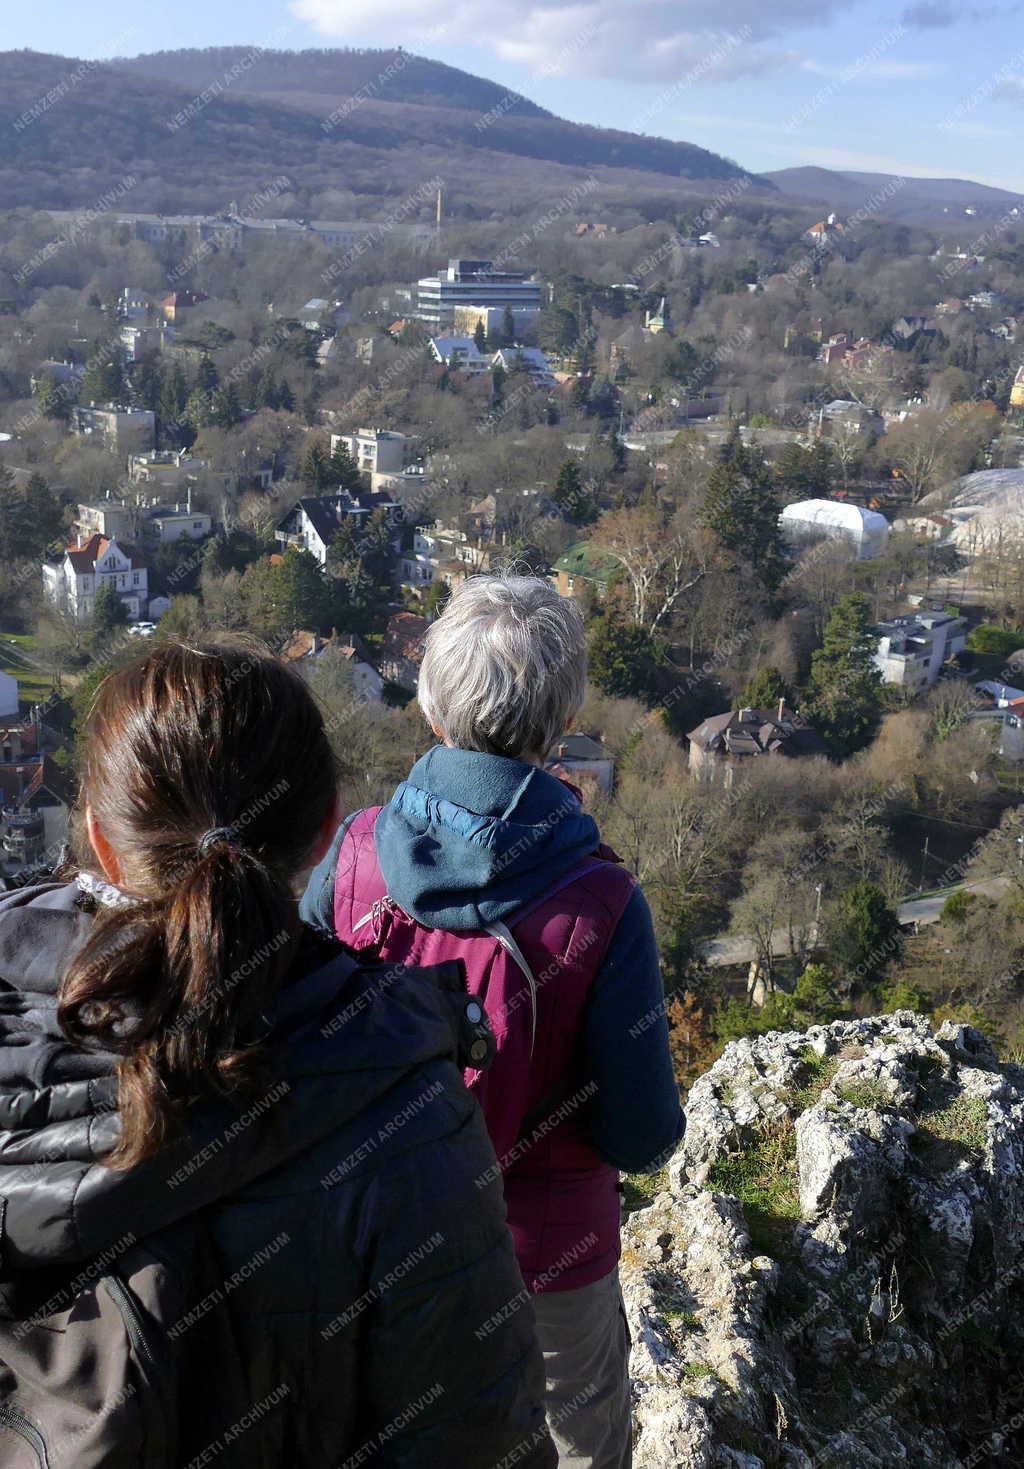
(502, 933)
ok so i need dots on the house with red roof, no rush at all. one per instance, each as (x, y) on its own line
(175, 305)
(306, 648)
(71, 582)
(402, 653)
(830, 225)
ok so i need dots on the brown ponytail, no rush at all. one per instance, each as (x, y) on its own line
(217, 740)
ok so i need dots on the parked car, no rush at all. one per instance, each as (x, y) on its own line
(141, 629)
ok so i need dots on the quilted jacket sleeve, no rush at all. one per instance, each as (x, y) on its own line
(453, 1375)
(316, 906)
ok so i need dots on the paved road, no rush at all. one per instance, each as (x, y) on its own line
(722, 951)
(928, 910)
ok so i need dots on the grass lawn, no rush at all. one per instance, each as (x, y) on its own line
(641, 1188)
(34, 686)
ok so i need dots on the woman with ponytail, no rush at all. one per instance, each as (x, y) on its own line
(262, 1150)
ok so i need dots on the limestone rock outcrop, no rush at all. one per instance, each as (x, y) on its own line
(833, 1273)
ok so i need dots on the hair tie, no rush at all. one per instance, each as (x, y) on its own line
(215, 835)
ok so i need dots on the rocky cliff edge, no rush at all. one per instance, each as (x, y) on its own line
(833, 1271)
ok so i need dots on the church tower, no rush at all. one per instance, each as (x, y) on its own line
(660, 320)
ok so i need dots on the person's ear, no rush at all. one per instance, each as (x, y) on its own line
(102, 850)
(328, 832)
(438, 731)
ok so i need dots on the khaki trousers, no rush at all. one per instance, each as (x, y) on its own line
(585, 1341)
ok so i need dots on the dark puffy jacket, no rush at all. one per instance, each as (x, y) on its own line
(343, 1207)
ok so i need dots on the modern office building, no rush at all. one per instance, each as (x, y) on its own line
(476, 283)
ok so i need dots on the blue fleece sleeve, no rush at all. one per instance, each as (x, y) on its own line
(316, 906)
(635, 1115)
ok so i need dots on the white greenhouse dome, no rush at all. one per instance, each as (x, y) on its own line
(987, 510)
(809, 520)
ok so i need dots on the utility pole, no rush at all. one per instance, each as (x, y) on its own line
(924, 859)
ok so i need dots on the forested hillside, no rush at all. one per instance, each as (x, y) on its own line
(106, 125)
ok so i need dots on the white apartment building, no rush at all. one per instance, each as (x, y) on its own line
(126, 430)
(177, 470)
(912, 650)
(137, 340)
(112, 519)
(437, 552)
(163, 523)
(119, 520)
(376, 450)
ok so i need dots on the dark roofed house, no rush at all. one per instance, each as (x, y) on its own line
(586, 762)
(35, 798)
(724, 740)
(403, 649)
(314, 521)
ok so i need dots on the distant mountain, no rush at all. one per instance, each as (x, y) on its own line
(848, 190)
(386, 75)
(193, 129)
(320, 82)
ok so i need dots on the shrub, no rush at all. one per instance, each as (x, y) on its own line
(902, 995)
(957, 907)
(1000, 641)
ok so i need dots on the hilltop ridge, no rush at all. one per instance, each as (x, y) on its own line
(389, 74)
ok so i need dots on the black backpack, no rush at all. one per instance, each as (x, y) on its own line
(95, 1360)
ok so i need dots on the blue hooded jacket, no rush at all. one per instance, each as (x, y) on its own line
(469, 838)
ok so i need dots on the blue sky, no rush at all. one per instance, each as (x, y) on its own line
(934, 87)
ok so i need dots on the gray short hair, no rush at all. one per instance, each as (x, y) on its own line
(504, 666)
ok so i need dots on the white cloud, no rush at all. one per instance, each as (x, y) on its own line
(652, 40)
(877, 68)
(1009, 90)
(974, 130)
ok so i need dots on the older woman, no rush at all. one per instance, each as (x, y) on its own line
(483, 855)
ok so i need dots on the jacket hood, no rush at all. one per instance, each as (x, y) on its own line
(342, 1036)
(469, 838)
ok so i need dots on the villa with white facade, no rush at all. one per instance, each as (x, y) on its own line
(71, 584)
